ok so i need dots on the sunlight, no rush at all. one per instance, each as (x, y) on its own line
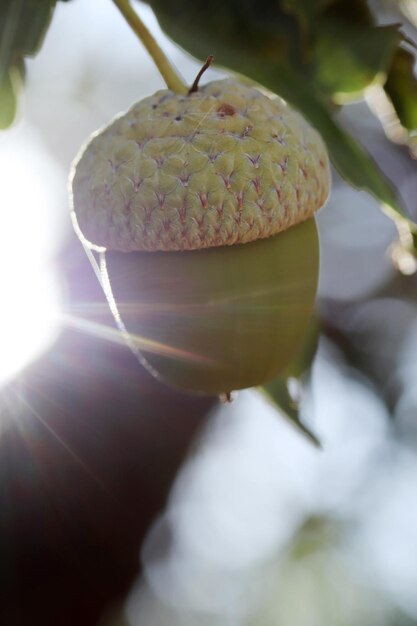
(29, 300)
(28, 314)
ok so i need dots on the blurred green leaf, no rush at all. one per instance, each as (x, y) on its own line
(349, 57)
(23, 24)
(341, 34)
(8, 100)
(305, 12)
(277, 393)
(401, 88)
(334, 45)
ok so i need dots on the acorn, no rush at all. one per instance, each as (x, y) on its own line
(202, 208)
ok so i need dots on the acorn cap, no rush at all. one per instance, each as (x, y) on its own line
(223, 165)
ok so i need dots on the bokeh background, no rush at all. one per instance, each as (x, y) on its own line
(123, 502)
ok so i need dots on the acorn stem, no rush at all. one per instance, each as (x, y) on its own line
(194, 86)
(169, 74)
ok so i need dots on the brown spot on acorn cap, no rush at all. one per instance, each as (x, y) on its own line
(127, 183)
(226, 109)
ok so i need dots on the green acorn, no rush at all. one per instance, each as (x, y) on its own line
(202, 206)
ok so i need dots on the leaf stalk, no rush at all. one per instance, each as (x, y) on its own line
(169, 74)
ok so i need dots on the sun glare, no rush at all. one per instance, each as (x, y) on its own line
(29, 297)
(28, 316)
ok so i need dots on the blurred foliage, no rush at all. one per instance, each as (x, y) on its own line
(314, 582)
(340, 34)
(401, 87)
(23, 24)
(9, 83)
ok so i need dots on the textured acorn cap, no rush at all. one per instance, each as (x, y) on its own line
(224, 165)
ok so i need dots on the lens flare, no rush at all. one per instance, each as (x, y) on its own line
(29, 298)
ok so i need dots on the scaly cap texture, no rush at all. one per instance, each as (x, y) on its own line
(224, 165)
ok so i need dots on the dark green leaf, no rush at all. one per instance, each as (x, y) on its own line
(401, 88)
(277, 390)
(348, 57)
(258, 27)
(8, 100)
(306, 12)
(277, 393)
(332, 44)
(349, 11)
(341, 35)
(23, 24)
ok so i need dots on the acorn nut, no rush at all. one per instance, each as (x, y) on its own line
(202, 207)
